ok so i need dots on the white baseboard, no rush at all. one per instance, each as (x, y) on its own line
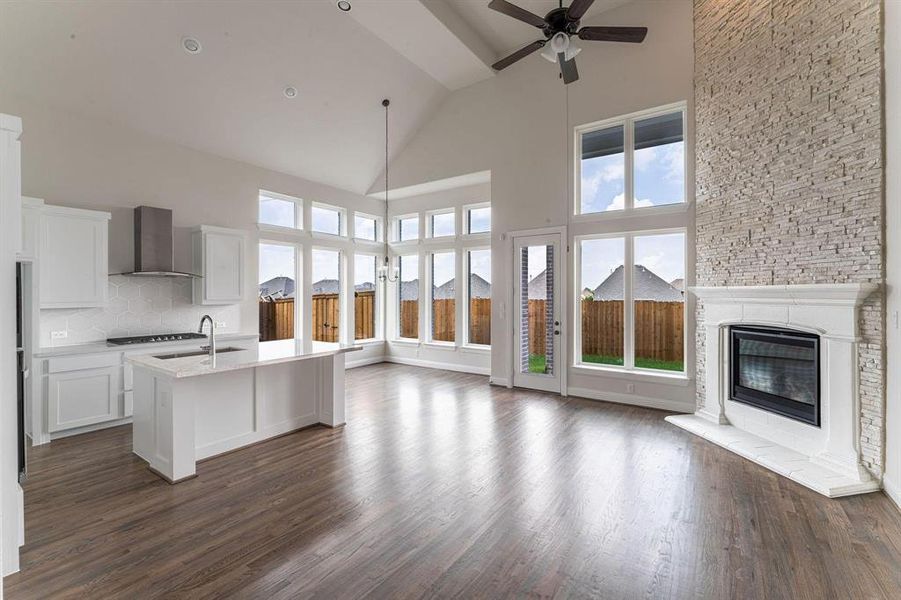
(374, 360)
(500, 381)
(430, 364)
(632, 399)
(893, 491)
(89, 428)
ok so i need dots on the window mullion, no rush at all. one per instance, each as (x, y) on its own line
(628, 305)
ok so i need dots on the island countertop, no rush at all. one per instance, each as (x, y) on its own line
(252, 354)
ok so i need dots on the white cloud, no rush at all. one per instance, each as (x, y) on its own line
(619, 203)
(645, 157)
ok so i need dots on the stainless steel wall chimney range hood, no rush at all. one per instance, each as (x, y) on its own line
(153, 244)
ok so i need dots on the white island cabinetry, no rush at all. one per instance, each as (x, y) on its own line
(187, 409)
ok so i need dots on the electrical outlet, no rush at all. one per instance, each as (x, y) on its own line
(630, 388)
(59, 335)
(220, 324)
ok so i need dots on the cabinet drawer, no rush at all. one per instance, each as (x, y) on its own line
(79, 398)
(82, 362)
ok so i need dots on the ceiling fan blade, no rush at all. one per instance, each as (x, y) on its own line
(578, 8)
(634, 35)
(511, 10)
(568, 68)
(521, 53)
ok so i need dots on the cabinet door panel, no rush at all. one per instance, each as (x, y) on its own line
(79, 398)
(73, 261)
(224, 257)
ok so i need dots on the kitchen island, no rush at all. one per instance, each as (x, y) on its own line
(188, 408)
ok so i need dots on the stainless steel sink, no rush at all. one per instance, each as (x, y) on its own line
(196, 353)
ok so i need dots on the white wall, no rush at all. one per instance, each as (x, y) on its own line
(518, 125)
(80, 162)
(456, 357)
(892, 477)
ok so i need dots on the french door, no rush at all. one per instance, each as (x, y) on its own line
(537, 274)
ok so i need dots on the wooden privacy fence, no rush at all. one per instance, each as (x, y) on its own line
(659, 328)
(409, 319)
(277, 317)
(480, 321)
(443, 320)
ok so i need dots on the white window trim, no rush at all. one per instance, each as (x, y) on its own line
(628, 367)
(299, 303)
(379, 237)
(378, 326)
(395, 229)
(430, 232)
(464, 227)
(298, 212)
(430, 286)
(342, 220)
(627, 122)
(465, 298)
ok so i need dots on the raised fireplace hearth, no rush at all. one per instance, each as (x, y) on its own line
(780, 384)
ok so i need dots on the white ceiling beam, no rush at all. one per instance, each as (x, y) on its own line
(431, 35)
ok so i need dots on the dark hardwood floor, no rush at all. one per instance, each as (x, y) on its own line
(442, 486)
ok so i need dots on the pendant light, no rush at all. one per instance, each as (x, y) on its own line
(385, 269)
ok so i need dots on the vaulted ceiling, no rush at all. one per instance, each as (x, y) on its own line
(123, 62)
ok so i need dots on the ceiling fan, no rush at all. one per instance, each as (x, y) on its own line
(558, 27)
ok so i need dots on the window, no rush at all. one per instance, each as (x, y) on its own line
(479, 291)
(279, 211)
(366, 227)
(442, 224)
(326, 304)
(364, 296)
(638, 162)
(408, 296)
(443, 271)
(408, 228)
(326, 219)
(277, 291)
(632, 311)
(478, 219)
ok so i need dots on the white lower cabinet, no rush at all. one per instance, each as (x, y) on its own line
(82, 397)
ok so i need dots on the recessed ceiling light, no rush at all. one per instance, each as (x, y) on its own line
(290, 92)
(344, 5)
(191, 45)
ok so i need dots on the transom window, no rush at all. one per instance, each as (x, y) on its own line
(407, 228)
(366, 227)
(442, 223)
(634, 162)
(278, 210)
(478, 219)
(327, 219)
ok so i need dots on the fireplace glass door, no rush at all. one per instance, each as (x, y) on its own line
(777, 370)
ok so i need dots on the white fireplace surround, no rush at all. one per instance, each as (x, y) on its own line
(826, 458)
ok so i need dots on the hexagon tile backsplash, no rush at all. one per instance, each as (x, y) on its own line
(137, 306)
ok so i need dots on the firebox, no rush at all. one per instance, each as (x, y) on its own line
(777, 370)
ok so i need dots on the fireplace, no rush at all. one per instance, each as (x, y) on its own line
(777, 370)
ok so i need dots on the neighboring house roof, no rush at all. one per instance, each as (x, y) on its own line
(366, 286)
(409, 290)
(478, 288)
(538, 287)
(325, 286)
(679, 284)
(646, 285)
(277, 287)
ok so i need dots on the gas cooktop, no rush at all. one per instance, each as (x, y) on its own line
(159, 337)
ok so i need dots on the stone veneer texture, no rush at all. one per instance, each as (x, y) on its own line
(136, 306)
(789, 160)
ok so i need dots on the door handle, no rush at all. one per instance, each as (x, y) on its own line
(556, 332)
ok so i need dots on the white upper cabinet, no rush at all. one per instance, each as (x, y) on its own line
(31, 227)
(219, 258)
(74, 257)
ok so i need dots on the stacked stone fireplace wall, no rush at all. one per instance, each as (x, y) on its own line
(789, 164)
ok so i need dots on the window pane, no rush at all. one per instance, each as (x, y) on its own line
(479, 220)
(443, 224)
(326, 220)
(659, 161)
(657, 289)
(276, 287)
(537, 316)
(408, 229)
(364, 297)
(602, 284)
(326, 287)
(408, 292)
(603, 170)
(443, 296)
(275, 211)
(480, 297)
(364, 228)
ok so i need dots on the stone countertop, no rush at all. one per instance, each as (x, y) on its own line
(102, 346)
(251, 355)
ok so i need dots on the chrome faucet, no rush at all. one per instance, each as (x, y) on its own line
(212, 345)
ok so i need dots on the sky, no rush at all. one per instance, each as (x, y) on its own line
(537, 260)
(277, 212)
(659, 179)
(325, 220)
(444, 266)
(364, 228)
(663, 254)
(480, 264)
(276, 261)
(325, 264)
(364, 269)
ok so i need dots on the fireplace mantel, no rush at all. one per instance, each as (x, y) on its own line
(824, 458)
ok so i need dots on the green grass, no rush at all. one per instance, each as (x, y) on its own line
(537, 362)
